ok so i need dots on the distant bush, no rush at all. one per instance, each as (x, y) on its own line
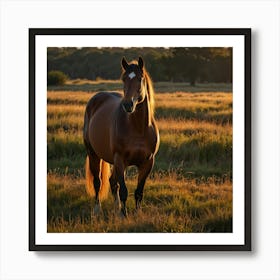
(56, 78)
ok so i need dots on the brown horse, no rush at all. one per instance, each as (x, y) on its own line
(121, 130)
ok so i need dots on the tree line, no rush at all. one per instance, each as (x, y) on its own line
(183, 64)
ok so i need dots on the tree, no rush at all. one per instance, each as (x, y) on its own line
(182, 64)
(56, 78)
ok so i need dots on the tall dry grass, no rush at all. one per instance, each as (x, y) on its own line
(190, 188)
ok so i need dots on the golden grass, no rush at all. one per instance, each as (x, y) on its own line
(178, 125)
(78, 97)
(170, 205)
(214, 103)
(65, 109)
(91, 82)
(193, 101)
(176, 197)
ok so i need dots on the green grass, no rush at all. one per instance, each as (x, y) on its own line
(190, 188)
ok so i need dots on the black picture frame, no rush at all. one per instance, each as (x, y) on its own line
(33, 33)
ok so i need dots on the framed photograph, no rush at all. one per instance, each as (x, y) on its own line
(140, 139)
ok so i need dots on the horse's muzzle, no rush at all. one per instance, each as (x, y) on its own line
(128, 106)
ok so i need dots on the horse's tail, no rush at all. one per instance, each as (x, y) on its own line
(105, 184)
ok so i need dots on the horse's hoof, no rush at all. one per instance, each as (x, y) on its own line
(138, 211)
(123, 213)
(97, 210)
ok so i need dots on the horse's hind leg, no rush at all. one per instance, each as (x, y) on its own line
(144, 171)
(94, 162)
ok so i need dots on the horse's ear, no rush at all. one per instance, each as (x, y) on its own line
(140, 62)
(124, 63)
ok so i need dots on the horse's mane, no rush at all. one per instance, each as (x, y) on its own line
(150, 87)
(150, 90)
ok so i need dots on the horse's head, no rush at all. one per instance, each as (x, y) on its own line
(134, 84)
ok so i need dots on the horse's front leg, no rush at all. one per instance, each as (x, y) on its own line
(144, 170)
(119, 168)
(115, 190)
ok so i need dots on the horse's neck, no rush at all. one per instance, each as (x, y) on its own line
(141, 118)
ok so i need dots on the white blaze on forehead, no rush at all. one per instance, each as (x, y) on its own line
(131, 75)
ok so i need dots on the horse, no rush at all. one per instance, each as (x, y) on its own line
(120, 130)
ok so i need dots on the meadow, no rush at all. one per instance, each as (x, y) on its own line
(190, 187)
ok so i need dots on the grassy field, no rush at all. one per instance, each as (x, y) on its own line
(190, 188)
(163, 87)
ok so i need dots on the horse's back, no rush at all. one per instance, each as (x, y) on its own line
(99, 119)
(100, 99)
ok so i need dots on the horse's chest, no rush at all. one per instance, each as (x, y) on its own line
(137, 148)
(137, 152)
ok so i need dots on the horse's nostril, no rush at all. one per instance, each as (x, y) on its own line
(128, 106)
